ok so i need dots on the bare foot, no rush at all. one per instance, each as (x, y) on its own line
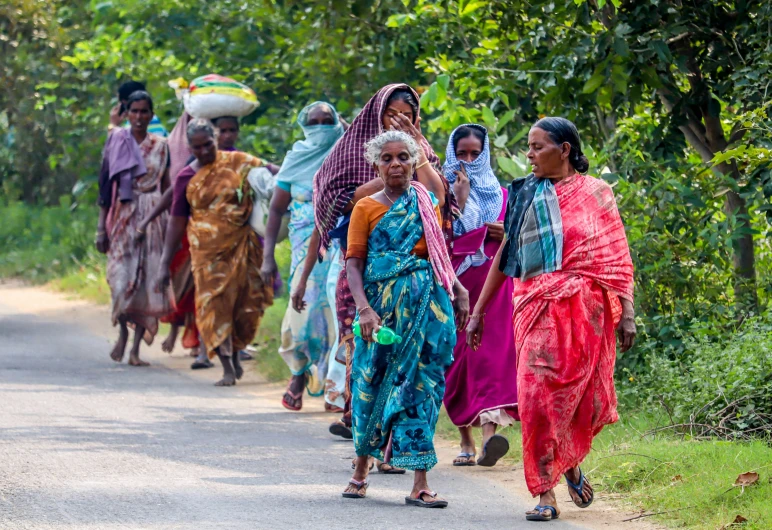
(239, 371)
(120, 346)
(168, 344)
(227, 380)
(136, 361)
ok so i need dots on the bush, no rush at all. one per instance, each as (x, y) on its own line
(40, 243)
(721, 388)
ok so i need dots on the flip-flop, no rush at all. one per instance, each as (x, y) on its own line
(579, 489)
(391, 471)
(469, 460)
(361, 489)
(339, 429)
(540, 515)
(410, 501)
(496, 447)
(295, 397)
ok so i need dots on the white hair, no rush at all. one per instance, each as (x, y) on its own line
(374, 147)
(199, 125)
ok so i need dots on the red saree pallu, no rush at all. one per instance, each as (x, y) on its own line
(565, 324)
(182, 294)
(486, 379)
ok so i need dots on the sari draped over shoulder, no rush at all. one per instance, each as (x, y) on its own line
(565, 324)
(226, 254)
(132, 270)
(398, 389)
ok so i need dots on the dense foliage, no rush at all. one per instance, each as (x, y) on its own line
(671, 99)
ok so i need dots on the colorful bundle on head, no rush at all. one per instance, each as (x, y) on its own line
(213, 96)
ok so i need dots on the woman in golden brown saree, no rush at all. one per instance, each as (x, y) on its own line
(226, 254)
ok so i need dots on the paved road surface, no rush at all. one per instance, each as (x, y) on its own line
(89, 444)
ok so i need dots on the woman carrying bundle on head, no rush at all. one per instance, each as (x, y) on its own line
(400, 277)
(133, 178)
(212, 202)
(566, 248)
(308, 328)
(481, 385)
(346, 177)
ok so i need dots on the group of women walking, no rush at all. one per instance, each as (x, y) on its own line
(382, 235)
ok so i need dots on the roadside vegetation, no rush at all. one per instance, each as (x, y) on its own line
(673, 108)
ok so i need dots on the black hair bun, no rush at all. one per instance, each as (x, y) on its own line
(579, 161)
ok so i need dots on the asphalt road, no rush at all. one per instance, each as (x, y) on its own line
(89, 444)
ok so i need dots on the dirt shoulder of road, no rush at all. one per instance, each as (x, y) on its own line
(605, 514)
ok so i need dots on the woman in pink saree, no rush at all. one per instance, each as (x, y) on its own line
(481, 385)
(566, 248)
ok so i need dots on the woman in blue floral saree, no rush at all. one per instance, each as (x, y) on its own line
(400, 276)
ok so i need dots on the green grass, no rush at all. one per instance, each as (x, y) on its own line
(86, 281)
(692, 482)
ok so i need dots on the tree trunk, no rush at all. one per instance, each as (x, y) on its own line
(707, 138)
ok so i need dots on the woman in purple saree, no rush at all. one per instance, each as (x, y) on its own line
(481, 385)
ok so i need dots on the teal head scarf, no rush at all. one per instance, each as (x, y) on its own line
(306, 156)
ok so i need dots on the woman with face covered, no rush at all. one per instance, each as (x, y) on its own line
(212, 202)
(566, 249)
(400, 276)
(308, 329)
(133, 178)
(481, 385)
(346, 177)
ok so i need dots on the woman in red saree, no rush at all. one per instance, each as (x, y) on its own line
(566, 247)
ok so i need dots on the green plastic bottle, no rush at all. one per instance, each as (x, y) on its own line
(384, 335)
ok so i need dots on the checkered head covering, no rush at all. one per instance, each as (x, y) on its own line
(345, 169)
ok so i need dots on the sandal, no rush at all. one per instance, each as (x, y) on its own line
(468, 459)
(496, 447)
(382, 469)
(361, 491)
(339, 428)
(438, 503)
(543, 513)
(579, 489)
(298, 398)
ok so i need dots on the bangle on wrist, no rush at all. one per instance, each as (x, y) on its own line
(478, 316)
(419, 166)
(359, 310)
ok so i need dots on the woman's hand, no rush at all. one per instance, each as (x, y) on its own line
(139, 233)
(495, 231)
(369, 321)
(400, 122)
(116, 116)
(269, 269)
(626, 332)
(474, 332)
(164, 278)
(461, 305)
(461, 187)
(298, 304)
(102, 242)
